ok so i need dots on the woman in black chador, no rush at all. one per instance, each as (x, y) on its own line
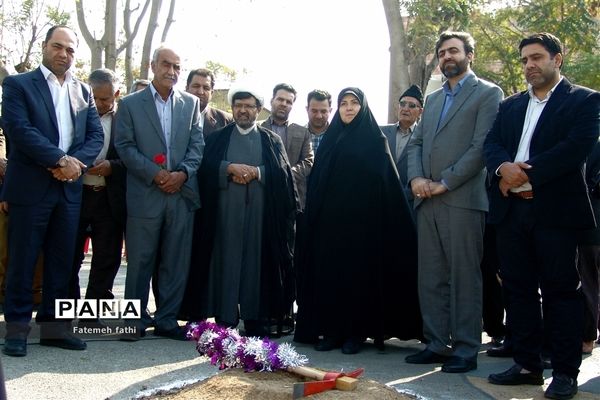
(358, 276)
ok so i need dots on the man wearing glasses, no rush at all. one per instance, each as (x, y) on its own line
(410, 107)
(244, 256)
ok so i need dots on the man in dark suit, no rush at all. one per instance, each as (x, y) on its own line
(160, 141)
(54, 131)
(296, 138)
(447, 177)
(535, 153)
(410, 107)
(201, 83)
(318, 108)
(103, 203)
(297, 141)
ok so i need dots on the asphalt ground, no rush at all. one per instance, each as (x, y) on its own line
(112, 369)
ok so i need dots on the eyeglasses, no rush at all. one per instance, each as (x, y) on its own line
(244, 107)
(409, 104)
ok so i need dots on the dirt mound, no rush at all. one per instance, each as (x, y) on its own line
(235, 384)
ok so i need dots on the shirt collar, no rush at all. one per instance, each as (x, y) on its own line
(47, 74)
(456, 89)
(307, 126)
(245, 131)
(410, 128)
(273, 122)
(155, 92)
(533, 96)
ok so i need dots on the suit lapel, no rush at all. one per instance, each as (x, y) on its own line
(42, 86)
(209, 118)
(77, 102)
(556, 99)
(150, 108)
(176, 113)
(392, 140)
(466, 91)
(433, 110)
(520, 112)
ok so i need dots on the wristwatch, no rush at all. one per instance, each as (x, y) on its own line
(63, 161)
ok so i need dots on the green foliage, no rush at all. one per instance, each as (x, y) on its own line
(221, 71)
(24, 24)
(583, 70)
(499, 32)
(57, 16)
(429, 18)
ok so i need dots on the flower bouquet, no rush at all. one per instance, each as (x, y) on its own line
(226, 348)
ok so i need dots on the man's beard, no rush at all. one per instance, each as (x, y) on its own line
(457, 69)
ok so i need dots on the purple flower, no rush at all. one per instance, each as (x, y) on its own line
(227, 349)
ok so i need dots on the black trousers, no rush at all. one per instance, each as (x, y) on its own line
(48, 226)
(493, 306)
(588, 263)
(97, 222)
(535, 258)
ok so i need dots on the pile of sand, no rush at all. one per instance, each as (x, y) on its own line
(235, 384)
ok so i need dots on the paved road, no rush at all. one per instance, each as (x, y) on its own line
(110, 369)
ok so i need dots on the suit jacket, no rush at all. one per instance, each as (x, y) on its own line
(452, 151)
(139, 138)
(298, 146)
(402, 164)
(116, 181)
(565, 134)
(30, 124)
(215, 119)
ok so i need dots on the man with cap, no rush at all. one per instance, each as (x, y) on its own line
(410, 107)
(243, 268)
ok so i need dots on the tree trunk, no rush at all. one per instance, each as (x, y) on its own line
(110, 35)
(147, 48)
(399, 74)
(129, 38)
(170, 20)
(96, 46)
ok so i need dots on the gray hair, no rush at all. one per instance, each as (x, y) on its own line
(104, 76)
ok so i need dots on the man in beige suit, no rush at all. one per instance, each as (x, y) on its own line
(296, 138)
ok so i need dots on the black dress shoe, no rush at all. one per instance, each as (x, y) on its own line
(546, 362)
(351, 346)
(328, 343)
(426, 357)
(177, 333)
(562, 387)
(15, 347)
(497, 341)
(379, 344)
(256, 328)
(457, 365)
(66, 341)
(513, 376)
(501, 351)
(91, 324)
(132, 334)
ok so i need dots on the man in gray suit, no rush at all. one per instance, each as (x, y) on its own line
(447, 177)
(160, 140)
(410, 107)
(296, 138)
